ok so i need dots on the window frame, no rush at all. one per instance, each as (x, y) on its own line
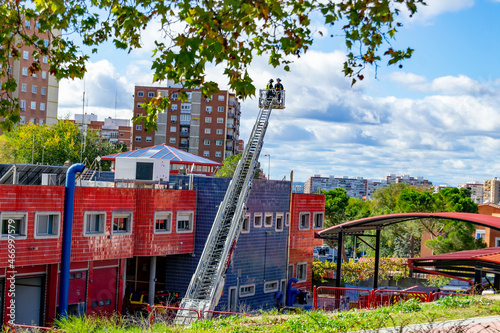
(268, 290)
(191, 221)
(279, 216)
(206, 153)
(247, 229)
(23, 229)
(120, 214)
(102, 224)
(140, 94)
(220, 120)
(308, 223)
(58, 225)
(257, 215)
(151, 94)
(314, 216)
(172, 140)
(221, 98)
(271, 215)
(42, 106)
(248, 294)
(287, 219)
(300, 264)
(156, 216)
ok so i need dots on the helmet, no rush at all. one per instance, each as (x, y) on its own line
(278, 79)
(271, 80)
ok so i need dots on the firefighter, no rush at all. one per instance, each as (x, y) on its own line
(278, 87)
(270, 89)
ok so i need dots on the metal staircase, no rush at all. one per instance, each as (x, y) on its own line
(207, 282)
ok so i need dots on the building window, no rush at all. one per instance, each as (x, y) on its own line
(33, 89)
(218, 154)
(122, 222)
(268, 220)
(33, 105)
(27, 23)
(140, 94)
(220, 120)
(172, 140)
(304, 219)
(290, 271)
(163, 222)
(33, 120)
(24, 87)
(138, 127)
(34, 74)
(26, 55)
(208, 120)
(174, 97)
(41, 121)
(247, 290)
(14, 223)
(151, 94)
(173, 107)
(22, 105)
(185, 107)
(46, 42)
(45, 59)
(206, 142)
(271, 286)
(220, 109)
(302, 271)
(208, 131)
(149, 139)
(37, 25)
(42, 106)
(44, 74)
(480, 234)
(206, 153)
(94, 223)
(173, 129)
(279, 222)
(497, 241)
(257, 220)
(139, 105)
(43, 90)
(173, 118)
(208, 109)
(221, 97)
(318, 220)
(138, 138)
(287, 219)
(218, 142)
(22, 120)
(184, 222)
(245, 226)
(219, 131)
(25, 71)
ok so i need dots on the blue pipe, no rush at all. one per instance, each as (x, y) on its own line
(69, 202)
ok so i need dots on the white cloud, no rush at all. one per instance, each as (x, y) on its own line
(434, 8)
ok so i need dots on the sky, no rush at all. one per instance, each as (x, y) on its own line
(437, 117)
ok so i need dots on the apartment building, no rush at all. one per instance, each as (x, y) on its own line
(204, 126)
(407, 179)
(491, 190)
(117, 131)
(37, 91)
(476, 191)
(355, 187)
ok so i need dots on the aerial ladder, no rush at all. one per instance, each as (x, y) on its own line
(207, 283)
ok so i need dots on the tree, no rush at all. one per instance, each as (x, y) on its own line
(193, 35)
(53, 144)
(336, 201)
(230, 164)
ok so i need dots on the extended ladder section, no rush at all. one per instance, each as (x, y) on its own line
(207, 282)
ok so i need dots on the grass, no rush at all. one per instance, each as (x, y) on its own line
(403, 314)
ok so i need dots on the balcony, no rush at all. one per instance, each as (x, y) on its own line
(230, 114)
(183, 145)
(229, 137)
(229, 147)
(233, 103)
(185, 122)
(184, 134)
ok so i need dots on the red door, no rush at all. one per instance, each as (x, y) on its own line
(103, 290)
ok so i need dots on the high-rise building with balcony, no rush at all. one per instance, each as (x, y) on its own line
(492, 190)
(204, 126)
(37, 91)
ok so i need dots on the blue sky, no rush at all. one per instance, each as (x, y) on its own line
(437, 117)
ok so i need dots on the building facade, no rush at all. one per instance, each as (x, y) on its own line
(491, 190)
(207, 127)
(37, 91)
(355, 187)
(117, 131)
(407, 179)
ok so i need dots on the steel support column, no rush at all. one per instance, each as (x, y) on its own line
(377, 258)
(340, 252)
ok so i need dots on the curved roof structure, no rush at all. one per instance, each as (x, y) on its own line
(376, 222)
(164, 152)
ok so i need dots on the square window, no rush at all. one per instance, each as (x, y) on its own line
(14, 223)
(173, 129)
(318, 220)
(279, 222)
(138, 127)
(138, 138)
(220, 109)
(185, 107)
(304, 220)
(206, 142)
(43, 91)
(172, 140)
(175, 96)
(220, 120)
(208, 109)
(101, 302)
(94, 304)
(208, 120)
(480, 234)
(139, 105)
(33, 105)
(247, 290)
(25, 71)
(108, 302)
(47, 224)
(173, 107)
(33, 120)
(24, 87)
(44, 74)
(151, 94)
(78, 275)
(26, 55)
(184, 222)
(208, 131)
(245, 226)
(163, 222)
(218, 154)
(219, 142)
(34, 75)
(302, 271)
(94, 223)
(268, 220)
(206, 153)
(33, 89)
(271, 286)
(221, 97)
(140, 94)
(173, 118)
(71, 276)
(257, 220)
(122, 222)
(219, 131)
(148, 139)
(41, 120)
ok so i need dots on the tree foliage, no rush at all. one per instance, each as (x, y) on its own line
(336, 201)
(193, 35)
(53, 144)
(229, 168)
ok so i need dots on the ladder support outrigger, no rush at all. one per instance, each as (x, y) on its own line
(207, 283)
